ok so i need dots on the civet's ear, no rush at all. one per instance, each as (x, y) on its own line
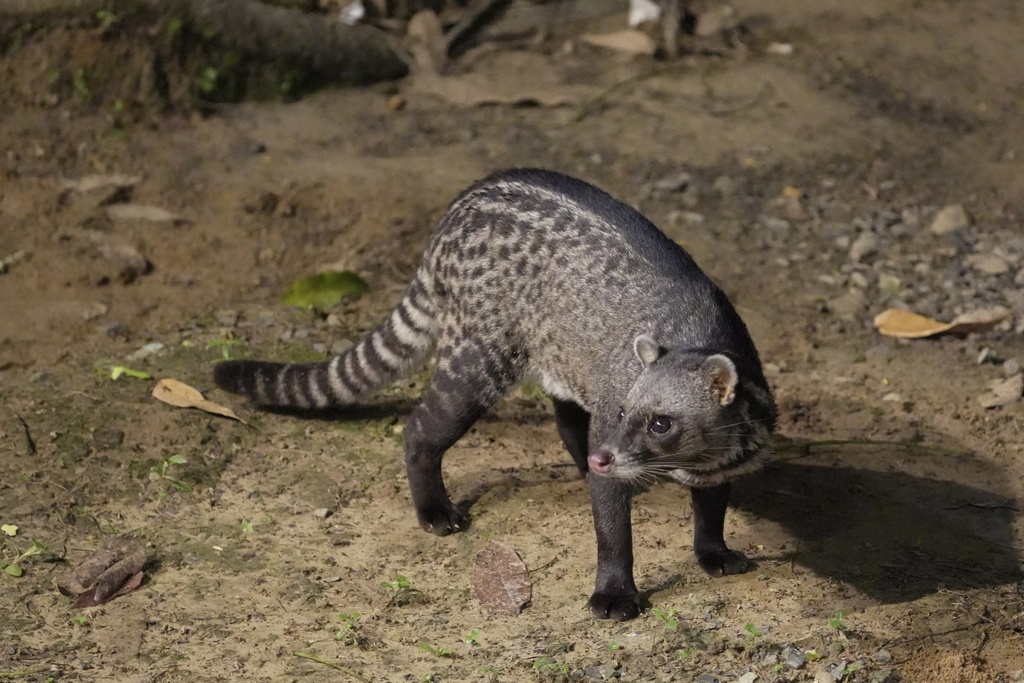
(720, 375)
(646, 349)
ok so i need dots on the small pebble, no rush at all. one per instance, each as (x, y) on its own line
(883, 656)
(859, 280)
(322, 513)
(989, 264)
(748, 677)
(865, 245)
(724, 185)
(320, 347)
(341, 346)
(672, 183)
(1011, 367)
(706, 678)
(849, 305)
(146, 351)
(949, 219)
(892, 397)
(226, 317)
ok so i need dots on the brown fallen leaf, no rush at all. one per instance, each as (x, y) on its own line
(896, 322)
(112, 570)
(629, 40)
(142, 212)
(181, 395)
(1003, 391)
(501, 581)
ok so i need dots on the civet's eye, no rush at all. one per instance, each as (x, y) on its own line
(659, 424)
(622, 414)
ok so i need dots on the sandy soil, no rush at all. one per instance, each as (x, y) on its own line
(895, 497)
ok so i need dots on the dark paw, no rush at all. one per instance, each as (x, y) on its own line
(443, 519)
(618, 607)
(723, 562)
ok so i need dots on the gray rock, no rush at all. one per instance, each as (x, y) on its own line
(949, 219)
(320, 347)
(321, 513)
(989, 264)
(146, 351)
(1011, 367)
(706, 678)
(865, 245)
(794, 658)
(850, 305)
(859, 280)
(883, 656)
(341, 346)
(882, 676)
(748, 677)
(724, 185)
(227, 317)
(672, 183)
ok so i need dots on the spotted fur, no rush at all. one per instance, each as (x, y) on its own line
(535, 275)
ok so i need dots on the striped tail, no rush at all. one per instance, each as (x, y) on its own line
(383, 355)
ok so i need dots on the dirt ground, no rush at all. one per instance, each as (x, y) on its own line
(813, 180)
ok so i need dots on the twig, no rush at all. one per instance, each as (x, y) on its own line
(472, 22)
(339, 667)
(30, 445)
(984, 506)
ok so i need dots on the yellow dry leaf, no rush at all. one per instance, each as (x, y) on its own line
(9, 529)
(181, 395)
(896, 322)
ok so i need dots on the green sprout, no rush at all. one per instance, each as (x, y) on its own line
(162, 472)
(14, 568)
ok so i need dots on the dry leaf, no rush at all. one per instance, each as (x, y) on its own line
(1002, 392)
(176, 393)
(896, 322)
(629, 40)
(112, 570)
(142, 212)
(501, 581)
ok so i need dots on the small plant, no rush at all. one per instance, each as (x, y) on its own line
(247, 526)
(397, 590)
(812, 656)
(80, 620)
(549, 665)
(778, 668)
(685, 654)
(614, 647)
(224, 345)
(117, 371)
(206, 81)
(471, 639)
(669, 618)
(347, 633)
(14, 567)
(81, 85)
(106, 18)
(162, 473)
(436, 651)
(752, 631)
(837, 622)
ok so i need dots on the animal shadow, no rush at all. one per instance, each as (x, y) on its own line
(887, 520)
